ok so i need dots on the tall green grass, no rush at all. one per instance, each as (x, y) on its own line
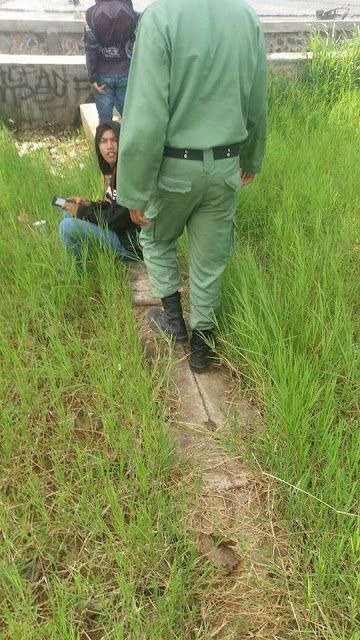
(290, 327)
(92, 538)
(91, 523)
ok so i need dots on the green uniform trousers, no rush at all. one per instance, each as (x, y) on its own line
(201, 195)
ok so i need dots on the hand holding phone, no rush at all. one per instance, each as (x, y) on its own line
(58, 202)
(70, 205)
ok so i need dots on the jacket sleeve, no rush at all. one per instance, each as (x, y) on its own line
(116, 218)
(91, 50)
(253, 149)
(146, 115)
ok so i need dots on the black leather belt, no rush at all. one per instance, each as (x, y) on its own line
(226, 151)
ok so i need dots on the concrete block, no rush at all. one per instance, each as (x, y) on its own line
(192, 410)
(288, 64)
(140, 285)
(36, 88)
(90, 120)
(294, 32)
(60, 36)
(41, 24)
(278, 25)
(43, 88)
(293, 35)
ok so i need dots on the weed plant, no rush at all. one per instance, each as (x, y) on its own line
(91, 522)
(335, 66)
(290, 327)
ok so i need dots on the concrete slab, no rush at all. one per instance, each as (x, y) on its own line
(204, 399)
(192, 411)
(144, 299)
(223, 513)
(38, 60)
(305, 25)
(51, 36)
(90, 119)
(141, 295)
(39, 23)
(43, 88)
(288, 64)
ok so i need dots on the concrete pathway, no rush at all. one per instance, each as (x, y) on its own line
(227, 512)
(228, 509)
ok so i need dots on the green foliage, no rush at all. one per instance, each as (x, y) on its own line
(290, 323)
(92, 535)
(335, 66)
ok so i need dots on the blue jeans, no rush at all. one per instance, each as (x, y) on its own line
(75, 234)
(114, 95)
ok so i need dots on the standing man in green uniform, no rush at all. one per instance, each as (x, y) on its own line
(195, 112)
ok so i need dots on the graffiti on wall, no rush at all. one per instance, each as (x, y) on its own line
(31, 83)
(40, 88)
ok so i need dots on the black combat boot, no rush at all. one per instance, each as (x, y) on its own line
(200, 352)
(170, 321)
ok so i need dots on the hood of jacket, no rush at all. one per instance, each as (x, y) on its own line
(105, 126)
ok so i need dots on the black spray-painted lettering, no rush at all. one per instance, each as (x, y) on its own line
(39, 84)
(49, 85)
(81, 85)
(22, 83)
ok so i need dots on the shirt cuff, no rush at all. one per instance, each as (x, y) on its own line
(250, 169)
(132, 204)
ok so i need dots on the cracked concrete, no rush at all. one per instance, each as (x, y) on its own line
(225, 505)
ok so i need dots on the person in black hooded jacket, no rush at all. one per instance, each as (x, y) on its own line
(104, 222)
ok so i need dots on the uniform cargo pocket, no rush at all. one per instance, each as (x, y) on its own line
(173, 187)
(234, 181)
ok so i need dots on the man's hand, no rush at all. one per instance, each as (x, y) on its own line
(246, 177)
(137, 216)
(71, 208)
(78, 200)
(100, 89)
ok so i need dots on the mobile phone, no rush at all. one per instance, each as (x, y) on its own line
(58, 202)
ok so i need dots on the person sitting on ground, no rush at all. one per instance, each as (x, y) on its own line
(104, 222)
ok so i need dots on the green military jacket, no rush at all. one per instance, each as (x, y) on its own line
(198, 79)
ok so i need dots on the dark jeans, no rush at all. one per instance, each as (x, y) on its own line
(114, 96)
